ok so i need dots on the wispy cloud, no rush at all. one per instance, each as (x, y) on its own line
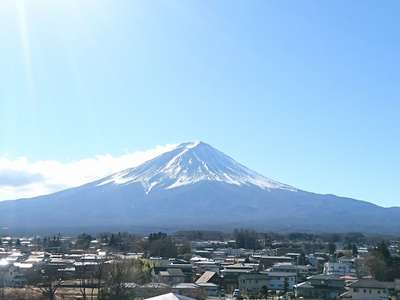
(21, 178)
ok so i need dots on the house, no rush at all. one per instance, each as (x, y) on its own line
(267, 261)
(189, 290)
(167, 267)
(301, 270)
(171, 276)
(317, 262)
(203, 265)
(344, 252)
(338, 269)
(251, 284)
(347, 260)
(230, 275)
(185, 266)
(295, 256)
(321, 286)
(210, 289)
(369, 289)
(241, 266)
(280, 281)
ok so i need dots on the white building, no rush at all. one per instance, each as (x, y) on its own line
(281, 280)
(369, 289)
(290, 268)
(338, 269)
(252, 283)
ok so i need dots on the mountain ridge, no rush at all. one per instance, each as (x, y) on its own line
(196, 186)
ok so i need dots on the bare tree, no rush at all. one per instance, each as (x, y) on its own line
(121, 272)
(48, 280)
(98, 279)
(91, 279)
(84, 277)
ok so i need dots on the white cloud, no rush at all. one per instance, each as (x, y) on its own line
(22, 178)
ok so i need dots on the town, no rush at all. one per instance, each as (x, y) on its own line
(199, 150)
(243, 264)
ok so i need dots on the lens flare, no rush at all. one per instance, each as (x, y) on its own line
(25, 44)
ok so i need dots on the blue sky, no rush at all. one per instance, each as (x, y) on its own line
(305, 92)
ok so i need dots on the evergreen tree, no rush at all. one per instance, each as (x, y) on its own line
(331, 248)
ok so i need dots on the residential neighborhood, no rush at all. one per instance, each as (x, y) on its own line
(108, 266)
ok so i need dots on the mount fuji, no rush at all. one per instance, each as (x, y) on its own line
(190, 163)
(193, 186)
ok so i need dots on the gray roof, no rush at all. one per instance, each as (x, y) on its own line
(253, 275)
(170, 296)
(372, 284)
(186, 286)
(325, 277)
(207, 284)
(175, 272)
(272, 257)
(155, 285)
(233, 271)
(280, 274)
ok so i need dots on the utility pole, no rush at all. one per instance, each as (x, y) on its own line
(2, 286)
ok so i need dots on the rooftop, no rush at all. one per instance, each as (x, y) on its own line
(170, 296)
(372, 284)
(205, 277)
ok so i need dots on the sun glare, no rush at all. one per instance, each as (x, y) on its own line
(24, 39)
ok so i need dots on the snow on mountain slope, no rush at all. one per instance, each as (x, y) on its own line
(190, 163)
(217, 193)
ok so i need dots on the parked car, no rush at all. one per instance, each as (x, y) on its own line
(236, 293)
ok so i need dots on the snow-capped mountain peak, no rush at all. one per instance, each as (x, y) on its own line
(189, 163)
